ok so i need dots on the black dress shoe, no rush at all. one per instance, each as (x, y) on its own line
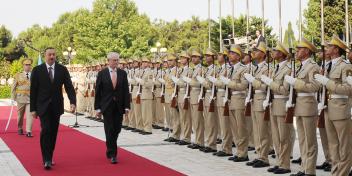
(218, 141)
(273, 169)
(137, 130)
(273, 156)
(233, 145)
(350, 173)
(251, 148)
(165, 129)
(47, 165)
(282, 171)
(232, 158)
(145, 133)
(29, 134)
(182, 142)
(298, 174)
(260, 164)
(130, 128)
(194, 146)
(171, 139)
(221, 154)
(328, 168)
(20, 132)
(297, 161)
(113, 160)
(272, 152)
(123, 126)
(208, 150)
(241, 159)
(251, 163)
(323, 166)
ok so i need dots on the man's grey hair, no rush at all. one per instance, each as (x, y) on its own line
(113, 55)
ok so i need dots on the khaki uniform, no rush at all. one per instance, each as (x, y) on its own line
(81, 92)
(20, 93)
(239, 85)
(131, 116)
(211, 120)
(137, 113)
(261, 127)
(281, 131)
(306, 112)
(159, 107)
(171, 112)
(185, 114)
(147, 99)
(224, 121)
(197, 116)
(338, 124)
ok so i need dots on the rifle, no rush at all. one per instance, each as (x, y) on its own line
(227, 96)
(323, 96)
(269, 95)
(162, 100)
(139, 91)
(293, 96)
(188, 90)
(250, 94)
(201, 94)
(175, 93)
(213, 91)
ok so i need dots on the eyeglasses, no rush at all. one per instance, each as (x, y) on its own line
(27, 64)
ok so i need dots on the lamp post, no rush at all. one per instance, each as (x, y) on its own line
(69, 54)
(158, 51)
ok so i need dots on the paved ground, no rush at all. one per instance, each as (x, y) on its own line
(180, 158)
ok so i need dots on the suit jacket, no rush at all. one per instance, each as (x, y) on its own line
(105, 93)
(43, 92)
(260, 39)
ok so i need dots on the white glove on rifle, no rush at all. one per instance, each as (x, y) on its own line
(225, 80)
(248, 99)
(200, 79)
(349, 80)
(161, 80)
(174, 79)
(265, 103)
(266, 80)
(288, 105)
(322, 79)
(291, 80)
(212, 79)
(249, 77)
(186, 79)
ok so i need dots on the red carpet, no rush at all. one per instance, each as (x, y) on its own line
(75, 154)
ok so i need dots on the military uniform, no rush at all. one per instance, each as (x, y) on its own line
(147, 98)
(338, 123)
(159, 106)
(135, 93)
(306, 109)
(20, 93)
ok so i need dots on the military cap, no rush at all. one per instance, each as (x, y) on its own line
(335, 40)
(209, 52)
(184, 54)
(27, 61)
(224, 51)
(196, 52)
(236, 49)
(171, 56)
(261, 47)
(280, 47)
(304, 43)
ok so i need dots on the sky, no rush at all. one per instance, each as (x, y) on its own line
(18, 15)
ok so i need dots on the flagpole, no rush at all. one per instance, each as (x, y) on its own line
(220, 30)
(233, 17)
(322, 21)
(347, 23)
(300, 20)
(263, 32)
(280, 27)
(209, 27)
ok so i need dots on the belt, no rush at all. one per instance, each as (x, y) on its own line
(195, 88)
(208, 91)
(338, 96)
(221, 90)
(238, 92)
(305, 94)
(259, 91)
(280, 96)
(22, 91)
(182, 89)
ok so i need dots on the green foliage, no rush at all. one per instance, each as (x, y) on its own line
(5, 91)
(334, 19)
(4, 71)
(289, 37)
(16, 67)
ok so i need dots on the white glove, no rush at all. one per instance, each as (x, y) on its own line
(174, 79)
(288, 105)
(225, 80)
(200, 79)
(212, 79)
(128, 79)
(266, 80)
(349, 80)
(322, 79)
(321, 106)
(139, 80)
(248, 99)
(291, 80)
(265, 103)
(12, 102)
(249, 77)
(186, 79)
(161, 80)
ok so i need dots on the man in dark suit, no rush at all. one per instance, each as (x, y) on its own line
(260, 37)
(47, 101)
(112, 101)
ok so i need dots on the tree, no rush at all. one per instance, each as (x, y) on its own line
(289, 37)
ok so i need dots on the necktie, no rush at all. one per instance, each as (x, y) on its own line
(113, 78)
(299, 68)
(329, 67)
(27, 75)
(277, 68)
(51, 74)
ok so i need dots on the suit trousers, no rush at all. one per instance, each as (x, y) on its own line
(211, 122)
(23, 109)
(262, 128)
(226, 133)
(49, 123)
(186, 122)
(239, 123)
(112, 128)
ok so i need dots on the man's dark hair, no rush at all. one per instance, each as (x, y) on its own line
(47, 48)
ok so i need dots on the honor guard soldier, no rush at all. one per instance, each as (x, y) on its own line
(338, 120)
(158, 94)
(306, 105)
(136, 93)
(20, 93)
